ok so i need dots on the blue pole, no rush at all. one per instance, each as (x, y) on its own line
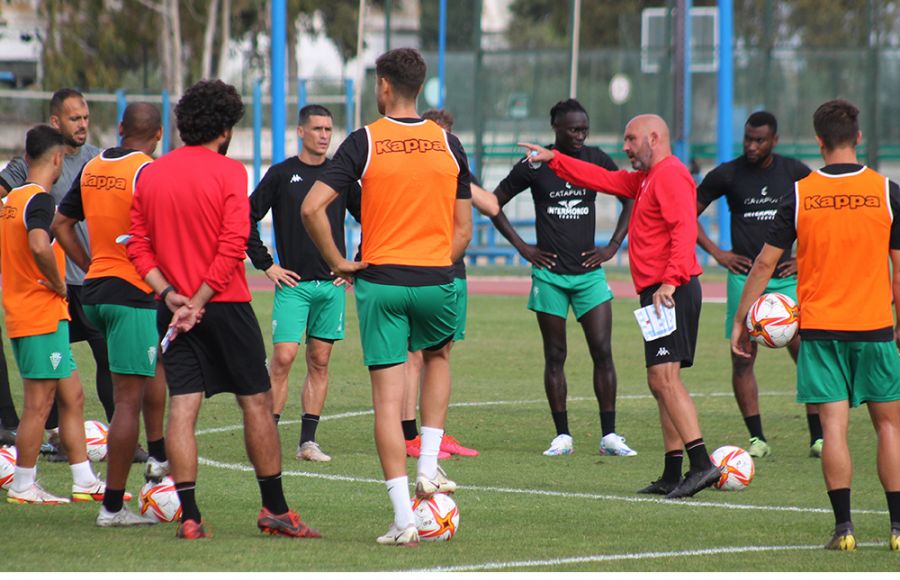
(301, 102)
(120, 110)
(725, 137)
(442, 52)
(279, 50)
(348, 89)
(166, 128)
(257, 131)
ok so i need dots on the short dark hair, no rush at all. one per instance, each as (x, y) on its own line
(562, 108)
(60, 97)
(40, 139)
(404, 68)
(836, 123)
(313, 110)
(206, 110)
(442, 117)
(763, 119)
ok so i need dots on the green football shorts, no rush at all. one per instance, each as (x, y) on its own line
(397, 319)
(45, 356)
(836, 370)
(313, 307)
(554, 293)
(462, 307)
(130, 334)
(735, 285)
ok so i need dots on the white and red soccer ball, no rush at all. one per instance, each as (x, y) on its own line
(7, 466)
(773, 320)
(437, 517)
(95, 438)
(159, 500)
(736, 467)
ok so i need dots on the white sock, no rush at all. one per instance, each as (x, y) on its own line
(23, 478)
(82, 474)
(431, 445)
(398, 491)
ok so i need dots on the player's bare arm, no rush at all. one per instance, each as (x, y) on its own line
(64, 230)
(316, 222)
(462, 228)
(895, 264)
(531, 253)
(39, 244)
(756, 283)
(725, 258)
(484, 201)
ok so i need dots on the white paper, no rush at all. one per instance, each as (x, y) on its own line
(170, 334)
(654, 326)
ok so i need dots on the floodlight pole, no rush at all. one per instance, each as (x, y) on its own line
(683, 80)
(360, 66)
(575, 45)
(442, 52)
(279, 50)
(388, 6)
(725, 136)
(476, 109)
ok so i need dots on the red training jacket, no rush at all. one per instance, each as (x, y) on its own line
(662, 233)
(190, 217)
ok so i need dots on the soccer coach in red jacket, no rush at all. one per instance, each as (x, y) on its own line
(664, 268)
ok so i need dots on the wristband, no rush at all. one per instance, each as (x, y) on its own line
(164, 293)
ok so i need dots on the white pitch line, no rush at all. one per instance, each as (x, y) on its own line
(538, 492)
(556, 494)
(352, 414)
(619, 557)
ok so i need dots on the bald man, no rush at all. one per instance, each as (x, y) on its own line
(664, 269)
(118, 302)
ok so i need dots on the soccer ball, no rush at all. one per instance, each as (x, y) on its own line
(160, 500)
(95, 434)
(437, 517)
(7, 466)
(773, 320)
(736, 466)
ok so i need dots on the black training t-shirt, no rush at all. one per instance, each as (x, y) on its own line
(753, 196)
(283, 189)
(565, 215)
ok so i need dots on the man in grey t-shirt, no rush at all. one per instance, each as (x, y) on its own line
(70, 115)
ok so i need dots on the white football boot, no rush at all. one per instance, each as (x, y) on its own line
(561, 445)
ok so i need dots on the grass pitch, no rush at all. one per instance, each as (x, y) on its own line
(519, 510)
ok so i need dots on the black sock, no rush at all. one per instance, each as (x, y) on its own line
(308, 424)
(410, 430)
(698, 454)
(815, 427)
(672, 471)
(607, 422)
(754, 425)
(277, 418)
(113, 499)
(893, 499)
(272, 494)
(840, 503)
(157, 449)
(561, 420)
(188, 499)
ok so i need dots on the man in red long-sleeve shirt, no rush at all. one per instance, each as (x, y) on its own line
(190, 220)
(664, 268)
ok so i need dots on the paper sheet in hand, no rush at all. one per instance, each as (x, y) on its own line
(167, 339)
(653, 326)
